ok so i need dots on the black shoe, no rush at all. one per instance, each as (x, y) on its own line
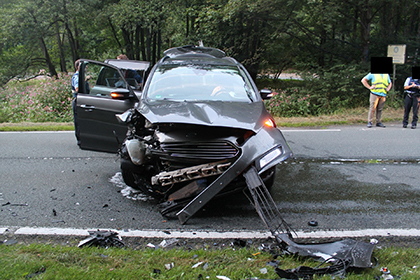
(404, 126)
(380, 124)
(413, 127)
(369, 125)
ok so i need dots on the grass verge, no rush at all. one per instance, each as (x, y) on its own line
(28, 126)
(48, 261)
(344, 117)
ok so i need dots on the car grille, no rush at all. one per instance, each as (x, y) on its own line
(198, 152)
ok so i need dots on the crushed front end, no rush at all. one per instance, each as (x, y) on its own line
(176, 163)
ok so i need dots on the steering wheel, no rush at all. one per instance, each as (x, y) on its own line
(219, 90)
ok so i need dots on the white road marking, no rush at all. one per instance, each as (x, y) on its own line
(212, 234)
(310, 130)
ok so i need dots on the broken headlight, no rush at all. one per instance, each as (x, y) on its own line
(269, 157)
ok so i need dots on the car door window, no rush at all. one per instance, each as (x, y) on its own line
(101, 80)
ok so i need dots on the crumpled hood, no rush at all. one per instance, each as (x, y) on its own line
(209, 113)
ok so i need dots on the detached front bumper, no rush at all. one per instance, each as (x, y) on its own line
(264, 150)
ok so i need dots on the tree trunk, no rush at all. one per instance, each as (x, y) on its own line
(137, 43)
(60, 48)
(366, 20)
(143, 45)
(114, 33)
(128, 42)
(50, 65)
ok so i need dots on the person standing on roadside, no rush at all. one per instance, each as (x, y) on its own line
(75, 90)
(411, 100)
(380, 84)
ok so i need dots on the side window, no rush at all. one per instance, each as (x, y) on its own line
(101, 80)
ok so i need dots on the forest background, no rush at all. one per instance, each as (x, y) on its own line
(328, 43)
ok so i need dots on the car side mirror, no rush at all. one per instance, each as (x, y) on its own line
(266, 94)
(120, 94)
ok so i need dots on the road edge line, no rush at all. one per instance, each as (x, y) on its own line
(212, 234)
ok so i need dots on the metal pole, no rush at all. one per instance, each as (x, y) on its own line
(393, 83)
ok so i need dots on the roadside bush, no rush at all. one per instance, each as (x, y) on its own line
(43, 100)
(321, 91)
(335, 88)
(289, 103)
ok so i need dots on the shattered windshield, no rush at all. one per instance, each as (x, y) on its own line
(200, 83)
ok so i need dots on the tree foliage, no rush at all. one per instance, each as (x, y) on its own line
(267, 36)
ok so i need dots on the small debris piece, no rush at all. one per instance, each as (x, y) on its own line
(239, 242)
(313, 223)
(168, 242)
(222, 277)
(273, 263)
(169, 266)
(150, 245)
(10, 242)
(157, 271)
(386, 273)
(102, 238)
(205, 266)
(263, 270)
(35, 274)
(197, 264)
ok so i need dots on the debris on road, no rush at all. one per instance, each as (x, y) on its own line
(341, 255)
(102, 238)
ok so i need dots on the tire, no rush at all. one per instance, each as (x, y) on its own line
(129, 178)
(269, 177)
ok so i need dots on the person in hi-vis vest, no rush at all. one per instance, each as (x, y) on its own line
(379, 86)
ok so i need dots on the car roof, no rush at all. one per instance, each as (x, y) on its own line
(129, 64)
(197, 55)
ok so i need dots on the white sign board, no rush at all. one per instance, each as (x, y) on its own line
(397, 52)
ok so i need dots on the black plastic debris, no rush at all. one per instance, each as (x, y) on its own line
(305, 272)
(339, 255)
(239, 243)
(313, 223)
(35, 274)
(102, 238)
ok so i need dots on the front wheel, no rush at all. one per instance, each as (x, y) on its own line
(269, 177)
(138, 182)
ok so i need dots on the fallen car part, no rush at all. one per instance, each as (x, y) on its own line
(341, 254)
(264, 204)
(305, 272)
(102, 238)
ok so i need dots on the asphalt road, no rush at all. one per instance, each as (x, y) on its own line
(345, 178)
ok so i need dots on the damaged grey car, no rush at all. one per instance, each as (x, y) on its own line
(195, 127)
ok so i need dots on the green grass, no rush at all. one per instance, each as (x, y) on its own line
(42, 261)
(26, 126)
(345, 117)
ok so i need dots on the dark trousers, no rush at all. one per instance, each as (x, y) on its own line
(76, 124)
(411, 102)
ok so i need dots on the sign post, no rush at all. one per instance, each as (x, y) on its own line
(397, 52)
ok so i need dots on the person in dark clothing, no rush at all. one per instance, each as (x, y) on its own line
(411, 100)
(129, 73)
(75, 90)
